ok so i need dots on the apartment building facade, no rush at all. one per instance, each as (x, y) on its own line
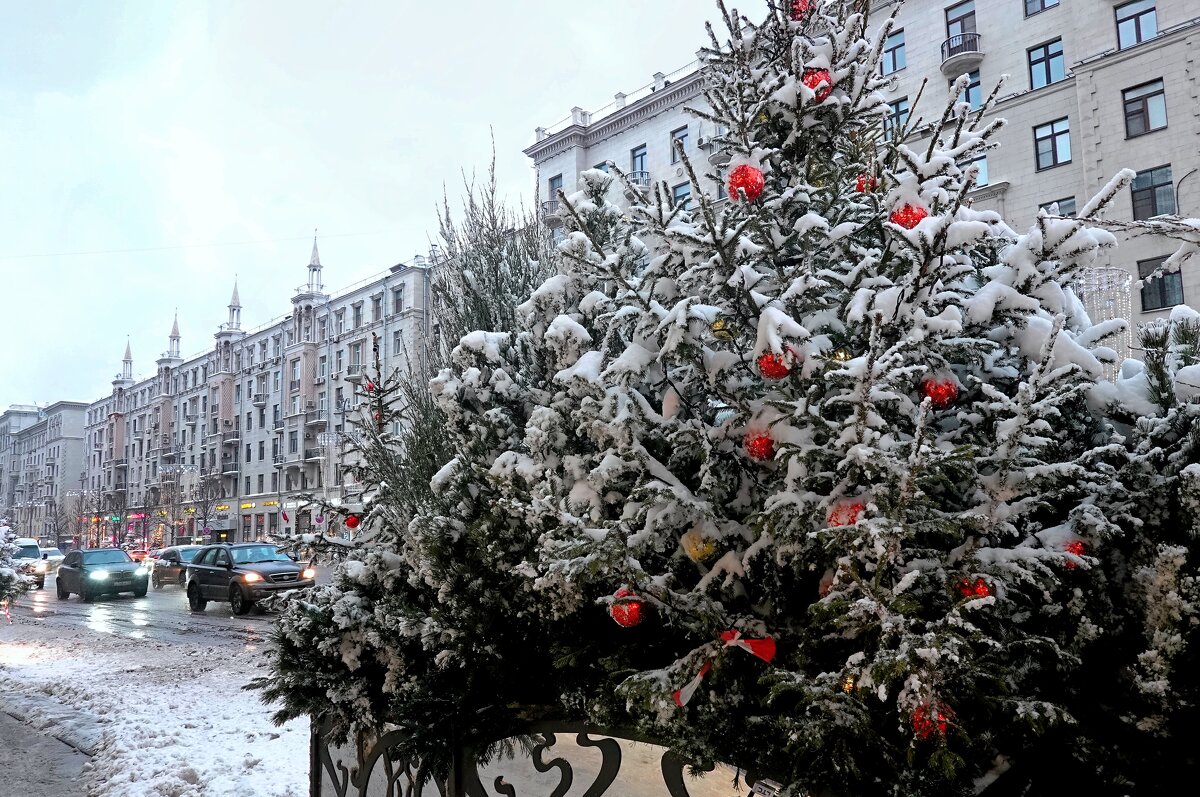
(1094, 86)
(12, 421)
(234, 444)
(46, 457)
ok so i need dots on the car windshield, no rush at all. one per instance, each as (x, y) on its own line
(30, 552)
(105, 558)
(187, 554)
(258, 553)
(52, 551)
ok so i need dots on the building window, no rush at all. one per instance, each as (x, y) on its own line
(322, 366)
(1145, 108)
(1153, 193)
(1165, 290)
(973, 93)
(398, 300)
(981, 178)
(1052, 143)
(339, 322)
(262, 450)
(1034, 6)
(1065, 206)
(293, 442)
(680, 135)
(602, 166)
(1136, 22)
(322, 329)
(637, 158)
(358, 315)
(893, 52)
(681, 195)
(397, 342)
(896, 119)
(960, 19)
(356, 354)
(376, 308)
(1046, 64)
(553, 186)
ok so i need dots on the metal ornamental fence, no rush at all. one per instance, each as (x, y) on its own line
(550, 759)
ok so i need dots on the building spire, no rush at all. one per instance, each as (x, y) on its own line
(127, 362)
(235, 309)
(173, 348)
(314, 268)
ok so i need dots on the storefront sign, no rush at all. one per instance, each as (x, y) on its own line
(270, 503)
(248, 505)
(222, 507)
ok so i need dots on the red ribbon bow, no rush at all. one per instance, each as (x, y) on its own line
(763, 648)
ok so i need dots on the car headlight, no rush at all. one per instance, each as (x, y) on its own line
(98, 574)
(40, 567)
(308, 572)
(142, 571)
(251, 578)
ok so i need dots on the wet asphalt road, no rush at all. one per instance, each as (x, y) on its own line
(162, 615)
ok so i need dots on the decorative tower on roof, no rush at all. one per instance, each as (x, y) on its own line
(235, 310)
(173, 346)
(169, 360)
(314, 269)
(127, 362)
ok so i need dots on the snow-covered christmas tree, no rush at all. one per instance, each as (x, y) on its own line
(12, 583)
(817, 480)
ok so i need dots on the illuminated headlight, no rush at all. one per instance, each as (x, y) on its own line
(142, 571)
(99, 575)
(40, 567)
(308, 573)
(251, 578)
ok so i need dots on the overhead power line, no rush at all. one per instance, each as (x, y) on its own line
(211, 245)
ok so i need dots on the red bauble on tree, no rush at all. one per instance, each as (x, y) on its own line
(759, 445)
(627, 610)
(931, 718)
(979, 588)
(865, 184)
(845, 513)
(1075, 547)
(352, 521)
(370, 386)
(941, 390)
(799, 9)
(746, 179)
(908, 216)
(772, 366)
(820, 81)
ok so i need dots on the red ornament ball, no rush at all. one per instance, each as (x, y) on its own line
(352, 521)
(818, 77)
(931, 718)
(908, 216)
(941, 391)
(799, 9)
(1075, 547)
(746, 179)
(759, 446)
(370, 386)
(979, 588)
(772, 366)
(845, 513)
(865, 184)
(627, 611)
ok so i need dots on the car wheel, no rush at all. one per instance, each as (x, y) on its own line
(238, 600)
(195, 602)
(60, 590)
(85, 594)
(156, 581)
(41, 583)
(139, 592)
(182, 578)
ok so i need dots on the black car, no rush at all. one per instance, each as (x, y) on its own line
(170, 566)
(241, 574)
(94, 572)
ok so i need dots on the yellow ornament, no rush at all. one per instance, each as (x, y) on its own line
(697, 546)
(848, 683)
(841, 355)
(762, 118)
(722, 329)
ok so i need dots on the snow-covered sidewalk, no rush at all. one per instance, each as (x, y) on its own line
(158, 719)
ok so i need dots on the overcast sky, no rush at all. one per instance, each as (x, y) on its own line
(153, 150)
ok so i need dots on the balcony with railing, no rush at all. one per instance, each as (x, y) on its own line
(279, 459)
(550, 214)
(315, 418)
(120, 463)
(312, 455)
(230, 467)
(355, 372)
(293, 385)
(259, 400)
(961, 53)
(231, 438)
(191, 418)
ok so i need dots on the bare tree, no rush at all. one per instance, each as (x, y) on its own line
(204, 495)
(59, 516)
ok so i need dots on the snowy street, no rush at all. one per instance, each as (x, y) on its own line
(151, 692)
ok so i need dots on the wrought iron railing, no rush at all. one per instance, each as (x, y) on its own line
(960, 44)
(372, 765)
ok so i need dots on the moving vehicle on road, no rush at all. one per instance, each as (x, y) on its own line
(241, 574)
(53, 557)
(138, 554)
(171, 565)
(96, 571)
(30, 562)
